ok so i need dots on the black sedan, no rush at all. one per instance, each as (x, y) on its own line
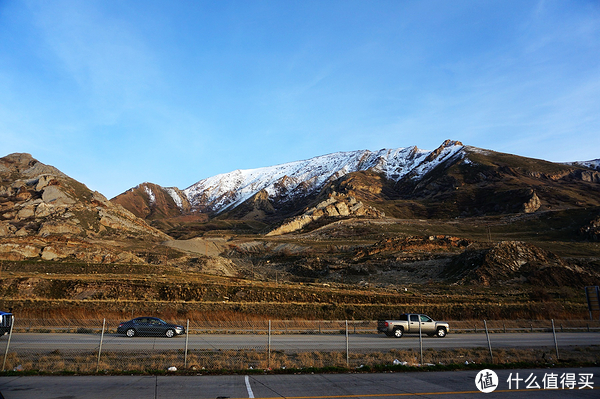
(149, 326)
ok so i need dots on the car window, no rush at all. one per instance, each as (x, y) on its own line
(414, 317)
(425, 319)
(155, 322)
(141, 321)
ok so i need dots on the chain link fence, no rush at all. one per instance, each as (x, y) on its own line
(92, 346)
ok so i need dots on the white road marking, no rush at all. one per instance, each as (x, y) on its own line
(249, 388)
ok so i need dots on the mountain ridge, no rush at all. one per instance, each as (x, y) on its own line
(283, 182)
(453, 173)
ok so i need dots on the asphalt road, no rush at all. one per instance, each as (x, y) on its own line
(450, 384)
(293, 342)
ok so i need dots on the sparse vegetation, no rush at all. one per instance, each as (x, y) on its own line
(226, 361)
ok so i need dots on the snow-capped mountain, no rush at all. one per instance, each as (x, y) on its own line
(453, 180)
(287, 181)
(283, 183)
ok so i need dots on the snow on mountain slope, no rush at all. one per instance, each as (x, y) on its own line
(285, 181)
(176, 198)
(593, 164)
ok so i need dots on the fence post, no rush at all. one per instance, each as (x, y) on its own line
(555, 343)
(269, 346)
(100, 347)
(187, 336)
(12, 323)
(421, 342)
(488, 340)
(347, 353)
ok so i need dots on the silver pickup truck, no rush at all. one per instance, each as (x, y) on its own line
(409, 324)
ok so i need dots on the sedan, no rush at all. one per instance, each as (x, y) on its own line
(149, 326)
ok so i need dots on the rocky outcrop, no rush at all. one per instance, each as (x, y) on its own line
(51, 203)
(26, 166)
(19, 250)
(437, 243)
(39, 204)
(590, 176)
(533, 204)
(336, 206)
(59, 228)
(58, 248)
(517, 262)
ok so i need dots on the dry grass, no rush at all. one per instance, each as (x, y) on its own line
(454, 309)
(232, 360)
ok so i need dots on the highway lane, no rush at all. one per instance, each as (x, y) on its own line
(292, 342)
(449, 384)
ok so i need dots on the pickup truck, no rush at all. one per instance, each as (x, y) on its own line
(409, 323)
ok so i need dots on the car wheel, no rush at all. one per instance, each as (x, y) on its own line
(170, 333)
(398, 333)
(130, 332)
(441, 332)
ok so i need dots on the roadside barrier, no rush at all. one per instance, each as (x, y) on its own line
(95, 346)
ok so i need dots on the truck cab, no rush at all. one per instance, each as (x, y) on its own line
(428, 326)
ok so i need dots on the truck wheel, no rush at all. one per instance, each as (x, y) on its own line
(398, 332)
(441, 332)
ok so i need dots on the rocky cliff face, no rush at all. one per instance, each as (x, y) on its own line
(46, 214)
(334, 207)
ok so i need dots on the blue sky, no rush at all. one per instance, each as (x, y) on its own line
(116, 93)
